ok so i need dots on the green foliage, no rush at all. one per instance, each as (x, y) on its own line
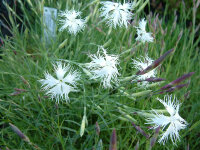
(57, 126)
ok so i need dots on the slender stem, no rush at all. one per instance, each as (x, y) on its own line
(129, 50)
(143, 5)
(90, 4)
(69, 61)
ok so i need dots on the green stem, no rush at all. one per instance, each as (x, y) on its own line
(69, 61)
(90, 4)
(143, 5)
(126, 115)
(129, 50)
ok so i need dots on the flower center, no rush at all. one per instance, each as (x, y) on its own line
(109, 63)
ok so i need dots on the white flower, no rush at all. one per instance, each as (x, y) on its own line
(104, 67)
(62, 85)
(141, 65)
(174, 123)
(70, 20)
(143, 36)
(116, 13)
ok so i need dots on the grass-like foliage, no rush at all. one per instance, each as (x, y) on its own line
(97, 116)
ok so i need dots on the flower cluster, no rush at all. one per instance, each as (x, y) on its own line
(116, 14)
(104, 67)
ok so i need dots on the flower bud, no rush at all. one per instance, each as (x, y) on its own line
(155, 63)
(97, 128)
(19, 133)
(140, 130)
(177, 81)
(113, 141)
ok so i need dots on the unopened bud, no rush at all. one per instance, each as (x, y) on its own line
(140, 130)
(152, 79)
(143, 93)
(25, 81)
(177, 87)
(63, 44)
(19, 133)
(15, 93)
(113, 141)
(97, 128)
(137, 146)
(82, 126)
(187, 95)
(154, 138)
(155, 63)
(177, 81)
